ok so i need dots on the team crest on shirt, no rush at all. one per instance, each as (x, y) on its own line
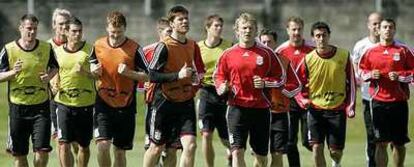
(396, 57)
(297, 52)
(259, 60)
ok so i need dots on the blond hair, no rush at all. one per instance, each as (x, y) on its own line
(245, 17)
(60, 12)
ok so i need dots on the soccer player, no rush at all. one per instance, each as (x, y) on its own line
(329, 95)
(360, 48)
(295, 50)
(268, 38)
(28, 64)
(176, 69)
(212, 107)
(245, 72)
(389, 66)
(169, 155)
(60, 20)
(118, 62)
(75, 96)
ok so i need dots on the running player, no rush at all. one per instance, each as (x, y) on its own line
(75, 96)
(212, 107)
(118, 62)
(246, 71)
(176, 69)
(28, 64)
(295, 50)
(389, 66)
(330, 99)
(169, 155)
(279, 129)
(60, 20)
(360, 48)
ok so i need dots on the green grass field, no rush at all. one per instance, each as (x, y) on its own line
(354, 153)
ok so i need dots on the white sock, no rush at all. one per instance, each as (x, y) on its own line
(334, 164)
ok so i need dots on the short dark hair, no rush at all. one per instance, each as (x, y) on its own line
(211, 18)
(74, 20)
(267, 31)
(29, 17)
(175, 10)
(389, 20)
(320, 25)
(162, 23)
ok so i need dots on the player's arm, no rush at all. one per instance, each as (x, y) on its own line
(221, 80)
(52, 68)
(277, 77)
(139, 73)
(95, 66)
(366, 73)
(293, 85)
(302, 98)
(407, 75)
(351, 90)
(6, 73)
(198, 64)
(157, 65)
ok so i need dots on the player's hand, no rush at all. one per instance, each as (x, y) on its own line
(44, 77)
(375, 74)
(258, 82)
(223, 88)
(393, 75)
(351, 114)
(185, 72)
(96, 69)
(122, 68)
(77, 68)
(17, 68)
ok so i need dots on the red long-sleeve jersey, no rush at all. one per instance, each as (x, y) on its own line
(395, 57)
(238, 65)
(295, 54)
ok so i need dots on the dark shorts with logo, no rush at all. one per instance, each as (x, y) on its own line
(391, 122)
(249, 122)
(116, 124)
(329, 125)
(212, 112)
(25, 122)
(75, 124)
(279, 132)
(171, 120)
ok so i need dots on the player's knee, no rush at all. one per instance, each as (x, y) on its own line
(317, 147)
(63, 146)
(155, 149)
(104, 145)
(207, 135)
(335, 152)
(238, 152)
(191, 146)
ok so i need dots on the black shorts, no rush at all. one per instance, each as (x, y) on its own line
(243, 122)
(329, 125)
(116, 124)
(75, 124)
(391, 122)
(175, 143)
(279, 133)
(170, 120)
(25, 122)
(53, 109)
(212, 112)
